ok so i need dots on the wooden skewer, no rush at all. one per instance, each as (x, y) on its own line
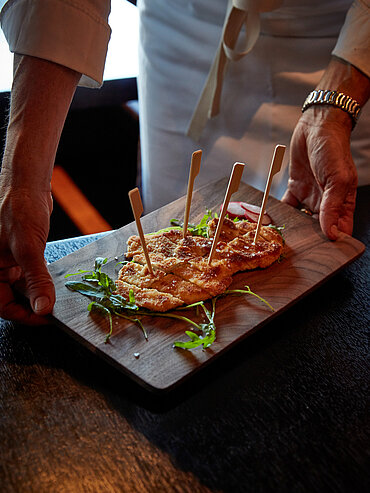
(275, 166)
(137, 209)
(194, 170)
(232, 187)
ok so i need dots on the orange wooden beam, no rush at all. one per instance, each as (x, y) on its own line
(83, 214)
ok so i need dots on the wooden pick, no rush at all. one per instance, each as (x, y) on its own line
(137, 209)
(275, 166)
(194, 170)
(232, 187)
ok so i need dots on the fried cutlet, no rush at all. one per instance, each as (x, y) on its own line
(163, 242)
(210, 278)
(241, 252)
(182, 273)
(232, 229)
(152, 299)
(139, 275)
(187, 260)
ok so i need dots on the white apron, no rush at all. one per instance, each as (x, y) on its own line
(261, 98)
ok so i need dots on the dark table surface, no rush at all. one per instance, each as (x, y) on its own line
(284, 411)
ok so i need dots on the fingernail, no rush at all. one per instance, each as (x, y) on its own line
(41, 303)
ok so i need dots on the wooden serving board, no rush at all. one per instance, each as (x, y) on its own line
(310, 259)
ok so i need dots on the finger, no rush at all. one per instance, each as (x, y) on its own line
(39, 287)
(12, 310)
(345, 224)
(336, 214)
(10, 275)
(328, 218)
(290, 198)
(6, 259)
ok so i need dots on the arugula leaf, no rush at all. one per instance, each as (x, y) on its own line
(120, 303)
(171, 228)
(94, 306)
(208, 336)
(85, 289)
(200, 229)
(195, 341)
(101, 289)
(80, 271)
(247, 290)
(278, 229)
(99, 262)
(206, 339)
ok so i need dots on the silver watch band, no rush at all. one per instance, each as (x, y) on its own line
(334, 98)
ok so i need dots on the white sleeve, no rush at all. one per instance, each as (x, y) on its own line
(73, 33)
(353, 44)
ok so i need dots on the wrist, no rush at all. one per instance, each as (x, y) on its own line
(343, 77)
(26, 165)
(341, 93)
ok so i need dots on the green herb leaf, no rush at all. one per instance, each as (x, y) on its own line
(165, 229)
(278, 229)
(99, 262)
(196, 340)
(95, 307)
(85, 289)
(101, 289)
(247, 290)
(200, 229)
(79, 272)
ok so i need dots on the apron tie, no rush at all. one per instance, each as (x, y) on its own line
(239, 13)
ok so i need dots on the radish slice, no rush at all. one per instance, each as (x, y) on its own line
(251, 216)
(234, 210)
(250, 207)
(250, 212)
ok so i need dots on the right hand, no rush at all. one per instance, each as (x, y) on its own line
(322, 174)
(24, 227)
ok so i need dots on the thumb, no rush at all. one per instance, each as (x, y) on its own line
(39, 287)
(336, 212)
(290, 198)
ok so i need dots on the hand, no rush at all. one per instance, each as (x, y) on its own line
(322, 174)
(24, 226)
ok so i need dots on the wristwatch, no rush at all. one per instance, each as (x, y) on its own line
(334, 98)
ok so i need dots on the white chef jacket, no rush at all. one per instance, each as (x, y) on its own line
(262, 93)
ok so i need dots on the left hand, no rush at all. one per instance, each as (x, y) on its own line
(322, 174)
(24, 226)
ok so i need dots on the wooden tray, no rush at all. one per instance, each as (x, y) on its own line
(310, 259)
